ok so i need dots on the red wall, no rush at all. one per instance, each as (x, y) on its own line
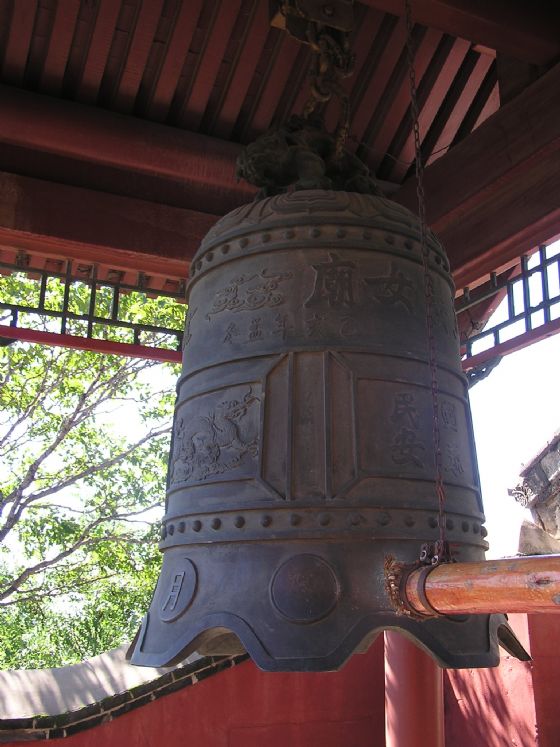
(243, 707)
(491, 707)
(515, 705)
(544, 632)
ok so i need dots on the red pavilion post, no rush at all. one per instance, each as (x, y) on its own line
(414, 715)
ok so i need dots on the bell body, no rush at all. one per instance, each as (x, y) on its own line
(303, 440)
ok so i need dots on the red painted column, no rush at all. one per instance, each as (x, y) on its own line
(413, 695)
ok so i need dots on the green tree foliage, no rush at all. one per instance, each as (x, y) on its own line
(84, 443)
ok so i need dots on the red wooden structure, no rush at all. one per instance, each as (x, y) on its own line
(239, 706)
(121, 121)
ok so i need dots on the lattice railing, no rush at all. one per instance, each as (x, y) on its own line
(66, 303)
(60, 302)
(524, 302)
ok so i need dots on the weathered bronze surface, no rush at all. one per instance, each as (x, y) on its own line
(302, 453)
(302, 155)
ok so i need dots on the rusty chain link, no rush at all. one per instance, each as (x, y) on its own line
(442, 551)
(331, 62)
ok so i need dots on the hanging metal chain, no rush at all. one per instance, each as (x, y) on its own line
(441, 552)
(331, 63)
(326, 29)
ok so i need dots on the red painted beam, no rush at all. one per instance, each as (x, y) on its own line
(92, 147)
(108, 347)
(124, 233)
(495, 194)
(513, 345)
(523, 30)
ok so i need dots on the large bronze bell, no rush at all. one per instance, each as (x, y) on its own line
(302, 450)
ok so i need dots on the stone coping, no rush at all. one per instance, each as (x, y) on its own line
(49, 703)
(551, 446)
(535, 541)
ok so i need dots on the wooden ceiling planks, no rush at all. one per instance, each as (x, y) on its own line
(492, 105)
(97, 52)
(217, 67)
(159, 94)
(232, 98)
(120, 45)
(368, 25)
(63, 28)
(457, 101)
(208, 64)
(279, 69)
(377, 144)
(432, 90)
(382, 53)
(295, 94)
(479, 104)
(522, 29)
(42, 28)
(81, 38)
(141, 39)
(5, 16)
(19, 41)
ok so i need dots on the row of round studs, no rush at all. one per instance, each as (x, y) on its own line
(313, 233)
(323, 519)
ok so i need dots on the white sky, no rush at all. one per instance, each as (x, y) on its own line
(516, 410)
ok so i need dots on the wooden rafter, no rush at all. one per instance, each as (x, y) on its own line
(491, 197)
(92, 226)
(495, 194)
(523, 30)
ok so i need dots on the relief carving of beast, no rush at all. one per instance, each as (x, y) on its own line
(214, 443)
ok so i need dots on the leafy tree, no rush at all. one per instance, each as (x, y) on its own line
(81, 489)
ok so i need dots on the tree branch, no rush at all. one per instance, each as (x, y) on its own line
(32, 595)
(79, 414)
(106, 464)
(84, 540)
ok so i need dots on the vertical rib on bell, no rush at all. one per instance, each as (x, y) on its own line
(302, 448)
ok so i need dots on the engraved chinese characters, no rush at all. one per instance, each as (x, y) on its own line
(303, 439)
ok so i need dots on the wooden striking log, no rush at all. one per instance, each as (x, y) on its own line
(526, 584)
